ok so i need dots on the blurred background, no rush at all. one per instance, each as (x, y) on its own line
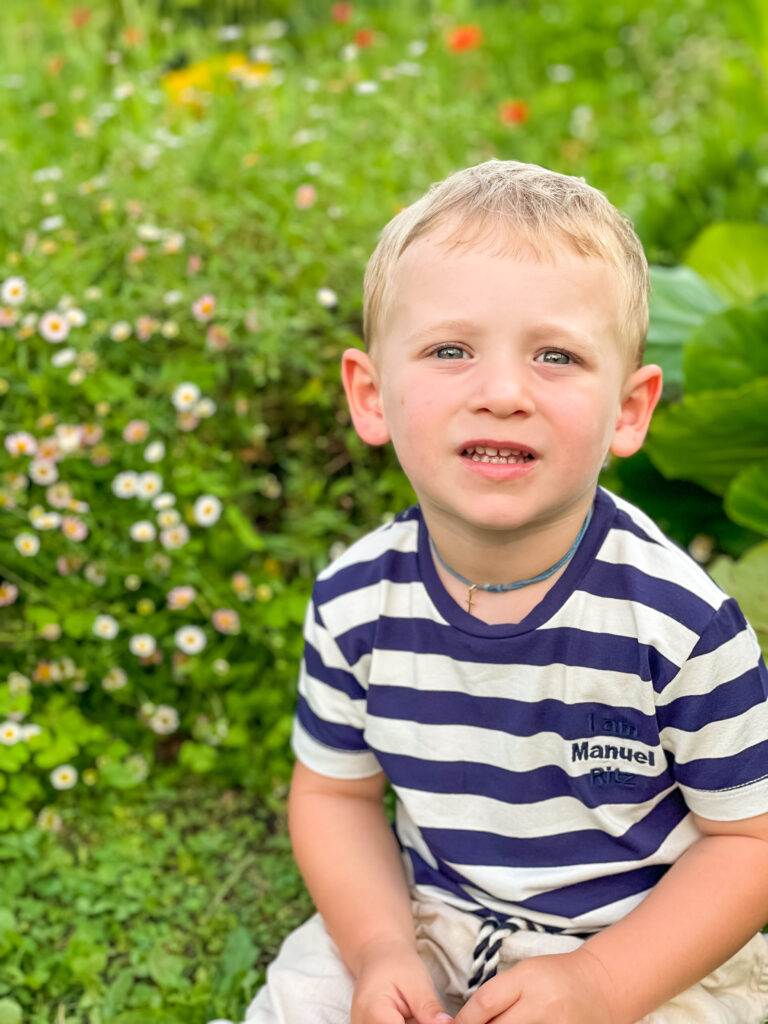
(189, 194)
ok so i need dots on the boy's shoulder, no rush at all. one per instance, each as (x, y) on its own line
(389, 552)
(633, 540)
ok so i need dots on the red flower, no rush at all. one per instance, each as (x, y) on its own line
(81, 16)
(364, 37)
(464, 37)
(341, 13)
(513, 112)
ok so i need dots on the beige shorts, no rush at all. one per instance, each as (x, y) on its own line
(308, 982)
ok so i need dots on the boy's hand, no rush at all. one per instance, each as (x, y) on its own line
(566, 988)
(394, 987)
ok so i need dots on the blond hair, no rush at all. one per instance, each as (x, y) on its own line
(540, 210)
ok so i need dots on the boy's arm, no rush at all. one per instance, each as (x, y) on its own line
(706, 907)
(351, 864)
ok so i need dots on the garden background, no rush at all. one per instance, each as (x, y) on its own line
(190, 192)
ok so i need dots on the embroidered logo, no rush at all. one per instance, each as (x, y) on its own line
(608, 774)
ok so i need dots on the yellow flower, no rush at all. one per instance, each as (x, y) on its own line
(188, 87)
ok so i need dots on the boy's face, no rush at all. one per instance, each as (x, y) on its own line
(506, 354)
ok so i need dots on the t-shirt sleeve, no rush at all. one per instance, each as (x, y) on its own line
(714, 721)
(329, 723)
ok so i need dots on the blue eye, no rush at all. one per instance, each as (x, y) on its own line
(555, 357)
(449, 352)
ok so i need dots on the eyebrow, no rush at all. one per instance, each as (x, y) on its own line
(458, 325)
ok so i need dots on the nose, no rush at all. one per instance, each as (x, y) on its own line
(503, 388)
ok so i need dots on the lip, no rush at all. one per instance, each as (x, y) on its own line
(499, 472)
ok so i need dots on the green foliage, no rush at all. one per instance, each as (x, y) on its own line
(166, 909)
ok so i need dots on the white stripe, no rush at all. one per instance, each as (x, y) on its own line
(727, 662)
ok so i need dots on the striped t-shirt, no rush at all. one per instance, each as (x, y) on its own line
(545, 769)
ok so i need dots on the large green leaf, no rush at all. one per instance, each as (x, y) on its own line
(747, 581)
(680, 301)
(728, 349)
(733, 257)
(746, 500)
(712, 436)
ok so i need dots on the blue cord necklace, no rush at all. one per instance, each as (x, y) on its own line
(500, 588)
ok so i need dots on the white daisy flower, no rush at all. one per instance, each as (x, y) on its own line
(21, 443)
(205, 408)
(10, 733)
(175, 536)
(115, 679)
(155, 452)
(327, 297)
(165, 720)
(164, 500)
(26, 544)
(207, 510)
(77, 317)
(106, 626)
(93, 293)
(43, 471)
(64, 777)
(168, 517)
(150, 485)
(47, 174)
(143, 531)
(366, 88)
(173, 298)
(126, 484)
(64, 357)
(46, 521)
(185, 396)
(13, 291)
(148, 232)
(28, 731)
(69, 437)
(142, 645)
(54, 327)
(52, 223)
(120, 331)
(190, 639)
(49, 821)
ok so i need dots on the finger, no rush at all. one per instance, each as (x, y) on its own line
(490, 1000)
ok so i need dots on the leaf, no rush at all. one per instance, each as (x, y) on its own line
(728, 349)
(712, 436)
(747, 581)
(198, 757)
(746, 500)
(680, 301)
(10, 1012)
(733, 257)
(239, 956)
(165, 969)
(243, 530)
(117, 993)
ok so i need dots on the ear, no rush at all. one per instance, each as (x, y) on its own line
(361, 384)
(641, 393)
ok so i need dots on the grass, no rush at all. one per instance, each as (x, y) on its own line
(163, 907)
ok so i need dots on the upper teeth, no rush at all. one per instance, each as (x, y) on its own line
(484, 453)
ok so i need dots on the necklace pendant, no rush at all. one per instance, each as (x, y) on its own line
(472, 588)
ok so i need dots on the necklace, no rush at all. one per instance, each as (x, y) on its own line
(500, 588)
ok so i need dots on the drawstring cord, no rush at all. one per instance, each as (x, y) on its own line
(485, 957)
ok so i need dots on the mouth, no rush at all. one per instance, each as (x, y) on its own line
(498, 454)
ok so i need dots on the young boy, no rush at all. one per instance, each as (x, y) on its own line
(573, 717)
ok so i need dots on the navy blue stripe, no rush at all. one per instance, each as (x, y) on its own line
(709, 773)
(563, 646)
(728, 700)
(585, 846)
(726, 623)
(570, 901)
(331, 734)
(517, 717)
(393, 566)
(583, 897)
(627, 583)
(546, 783)
(623, 521)
(335, 677)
